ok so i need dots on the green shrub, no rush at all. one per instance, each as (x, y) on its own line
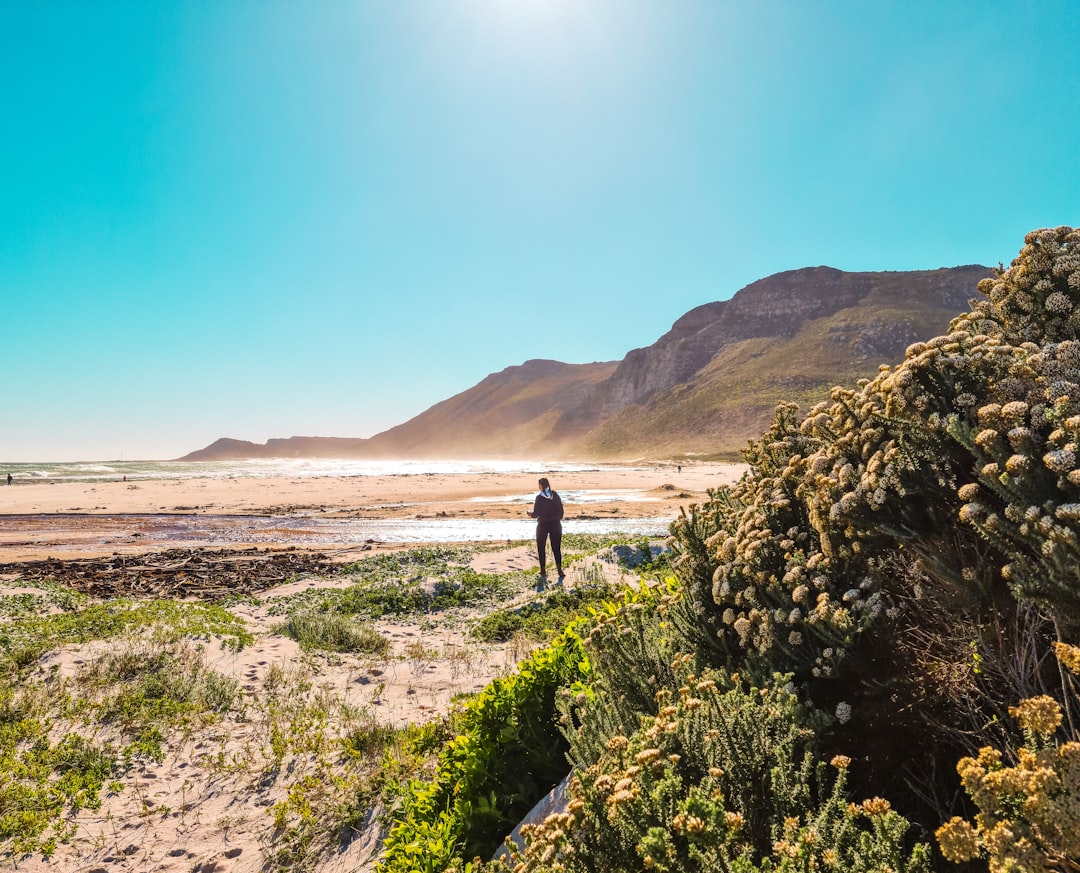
(507, 755)
(543, 617)
(334, 633)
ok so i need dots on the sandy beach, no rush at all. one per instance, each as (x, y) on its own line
(208, 804)
(89, 519)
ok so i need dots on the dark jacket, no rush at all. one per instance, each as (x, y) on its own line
(547, 509)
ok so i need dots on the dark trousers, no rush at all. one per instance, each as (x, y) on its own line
(553, 529)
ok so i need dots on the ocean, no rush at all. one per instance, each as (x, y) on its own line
(97, 471)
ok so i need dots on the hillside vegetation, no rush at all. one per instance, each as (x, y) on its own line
(866, 656)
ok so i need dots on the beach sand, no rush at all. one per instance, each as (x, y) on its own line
(209, 804)
(92, 519)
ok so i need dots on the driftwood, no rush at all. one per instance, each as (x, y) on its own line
(207, 574)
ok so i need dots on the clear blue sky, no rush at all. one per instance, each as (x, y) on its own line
(266, 219)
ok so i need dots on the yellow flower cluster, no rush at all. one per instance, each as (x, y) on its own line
(687, 824)
(1040, 715)
(875, 806)
(958, 839)
(1029, 813)
(1068, 656)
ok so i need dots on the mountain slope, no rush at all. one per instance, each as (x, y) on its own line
(513, 412)
(766, 350)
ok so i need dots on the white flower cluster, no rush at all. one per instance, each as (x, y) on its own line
(1037, 298)
(998, 394)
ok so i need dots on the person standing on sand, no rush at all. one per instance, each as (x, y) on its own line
(9, 478)
(548, 512)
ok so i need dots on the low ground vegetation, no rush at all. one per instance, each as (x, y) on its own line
(95, 695)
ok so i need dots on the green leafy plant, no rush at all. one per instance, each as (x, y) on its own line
(48, 596)
(44, 782)
(508, 753)
(408, 583)
(23, 642)
(541, 618)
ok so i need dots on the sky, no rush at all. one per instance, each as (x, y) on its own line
(267, 219)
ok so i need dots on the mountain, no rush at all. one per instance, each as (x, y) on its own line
(514, 412)
(703, 388)
(788, 337)
(226, 449)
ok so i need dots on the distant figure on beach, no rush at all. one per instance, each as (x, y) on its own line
(9, 478)
(548, 512)
(680, 468)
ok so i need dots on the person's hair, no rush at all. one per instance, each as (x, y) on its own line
(544, 483)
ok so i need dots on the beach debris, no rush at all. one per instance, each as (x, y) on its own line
(208, 574)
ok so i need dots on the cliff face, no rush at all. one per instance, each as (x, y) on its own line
(791, 336)
(773, 307)
(776, 307)
(706, 386)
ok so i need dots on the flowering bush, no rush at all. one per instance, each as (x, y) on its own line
(918, 533)
(905, 553)
(979, 426)
(1029, 812)
(722, 778)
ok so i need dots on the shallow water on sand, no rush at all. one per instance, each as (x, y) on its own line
(61, 533)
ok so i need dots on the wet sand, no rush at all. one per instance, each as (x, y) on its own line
(342, 515)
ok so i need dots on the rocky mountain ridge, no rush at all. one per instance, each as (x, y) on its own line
(704, 387)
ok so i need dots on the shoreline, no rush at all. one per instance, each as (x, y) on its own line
(326, 513)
